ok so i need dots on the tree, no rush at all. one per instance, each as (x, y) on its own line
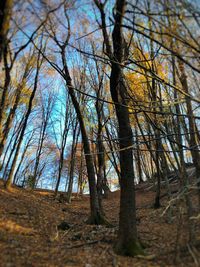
(127, 243)
(30, 104)
(96, 216)
(5, 15)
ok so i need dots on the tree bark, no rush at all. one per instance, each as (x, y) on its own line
(11, 173)
(96, 216)
(127, 241)
(5, 15)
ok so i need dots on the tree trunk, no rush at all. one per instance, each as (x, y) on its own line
(10, 177)
(96, 216)
(5, 15)
(72, 162)
(127, 243)
(193, 138)
(102, 185)
(15, 180)
(63, 144)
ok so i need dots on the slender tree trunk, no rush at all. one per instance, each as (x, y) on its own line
(193, 138)
(113, 154)
(102, 184)
(184, 181)
(63, 144)
(4, 95)
(10, 177)
(138, 158)
(72, 162)
(11, 115)
(9, 121)
(40, 143)
(15, 180)
(80, 177)
(12, 150)
(96, 216)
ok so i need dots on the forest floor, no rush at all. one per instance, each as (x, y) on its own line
(29, 235)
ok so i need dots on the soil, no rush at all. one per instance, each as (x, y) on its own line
(31, 232)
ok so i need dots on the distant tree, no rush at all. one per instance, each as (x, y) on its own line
(8, 182)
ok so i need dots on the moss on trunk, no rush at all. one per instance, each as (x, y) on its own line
(129, 248)
(98, 219)
(157, 202)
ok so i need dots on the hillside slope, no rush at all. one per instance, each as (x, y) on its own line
(29, 235)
